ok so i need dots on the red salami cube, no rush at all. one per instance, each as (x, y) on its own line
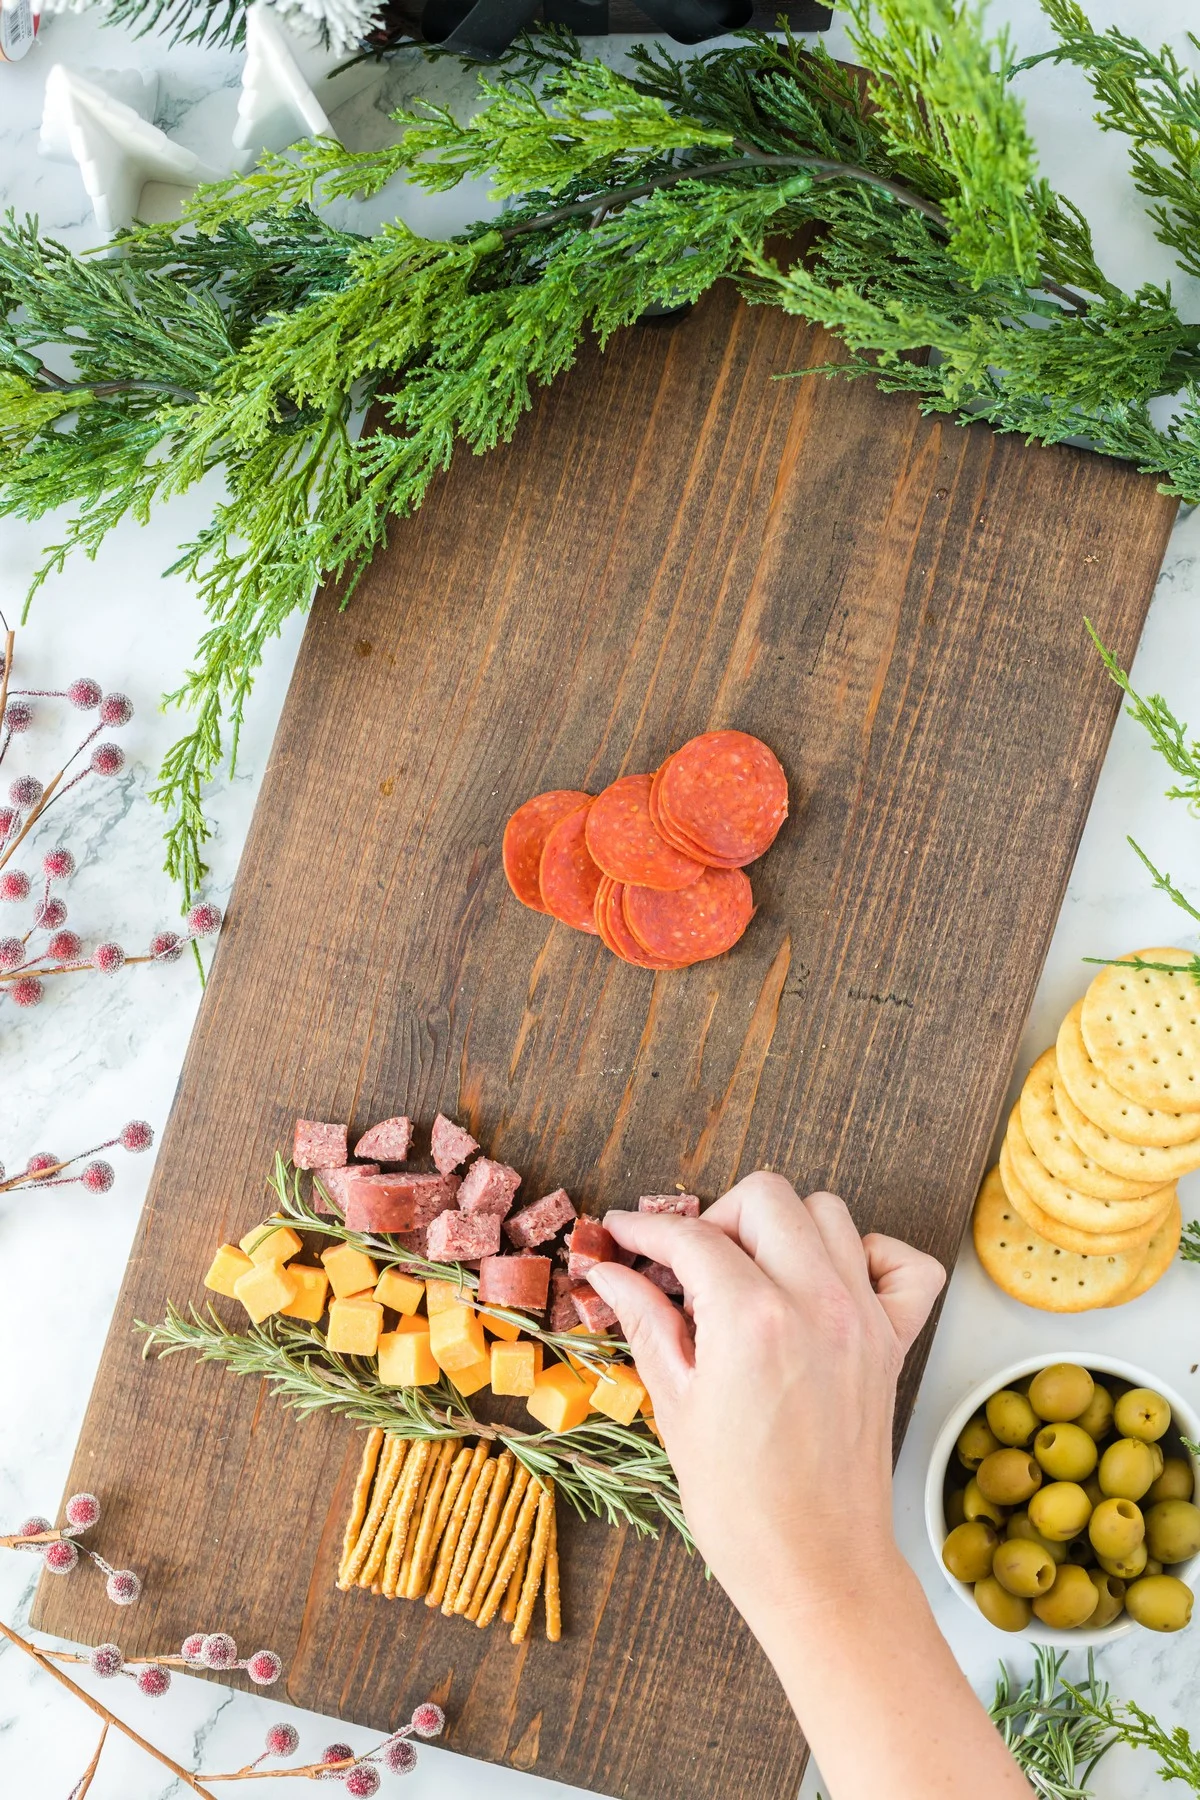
(396, 1202)
(522, 1282)
(450, 1144)
(463, 1237)
(661, 1276)
(592, 1311)
(389, 1141)
(335, 1183)
(686, 1205)
(562, 1307)
(319, 1145)
(489, 1187)
(535, 1224)
(588, 1244)
(414, 1241)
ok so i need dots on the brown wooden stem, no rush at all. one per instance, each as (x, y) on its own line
(86, 1779)
(13, 1540)
(9, 641)
(43, 802)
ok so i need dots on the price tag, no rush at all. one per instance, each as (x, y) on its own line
(18, 28)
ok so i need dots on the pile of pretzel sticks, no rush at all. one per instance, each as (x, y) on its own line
(456, 1527)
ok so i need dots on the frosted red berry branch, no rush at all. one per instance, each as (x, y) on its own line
(46, 1169)
(59, 1548)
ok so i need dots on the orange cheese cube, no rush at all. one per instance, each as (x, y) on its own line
(560, 1398)
(312, 1289)
(405, 1359)
(228, 1265)
(456, 1339)
(515, 1367)
(618, 1393)
(271, 1242)
(439, 1295)
(355, 1325)
(652, 1425)
(264, 1289)
(399, 1291)
(473, 1377)
(507, 1329)
(350, 1271)
(582, 1368)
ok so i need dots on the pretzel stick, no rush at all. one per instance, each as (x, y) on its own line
(467, 1536)
(553, 1592)
(404, 1573)
(499, 1543)
(496, 1526)
(415, 1474)
(358, 1505)
(389, 1463)
(372, 1568)
(512, 1593)
(535, 1566)
(433, 1519)
(508, 1562)
(454, 1525)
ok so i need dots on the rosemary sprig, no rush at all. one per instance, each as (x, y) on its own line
(614, 1472)
(1057, 1732)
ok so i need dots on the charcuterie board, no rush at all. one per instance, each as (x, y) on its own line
(674, 541)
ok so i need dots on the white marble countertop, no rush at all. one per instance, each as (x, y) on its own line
(105, 1049)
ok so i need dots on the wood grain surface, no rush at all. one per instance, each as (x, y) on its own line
(674, 541)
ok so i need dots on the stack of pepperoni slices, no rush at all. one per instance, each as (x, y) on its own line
(654, 864)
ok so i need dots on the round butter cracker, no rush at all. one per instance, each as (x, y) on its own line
(1080, 1211)
(1142, 1162)
(1057, 1150)
(1115, 1112)
(1142, 1030)
(1027, 1267)
(1160, 1253)
(1070, 1237)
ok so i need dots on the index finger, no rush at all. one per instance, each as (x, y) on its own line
(705, 1258)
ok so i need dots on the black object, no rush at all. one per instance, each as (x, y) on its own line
(483, 29)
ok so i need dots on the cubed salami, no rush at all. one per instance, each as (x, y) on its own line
(450, 1144)
(489, 1187)
(335, 1182)
(661, 1276)
(588, 1244)
(319, 1145)
(463, 1237)
(414, 1241)
(519, 1281)
(562, 1307)
(593, 1312)
(396, 1202)
(686, 1205)
(536, 1223)
(389, 1141)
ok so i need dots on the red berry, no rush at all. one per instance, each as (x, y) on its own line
(98, 1177)
(363, 1781)
(8, 818)
(65, 946)
(137, 1135)
(219, 1650)
(154, 1680)
(60, 1558)
(336, 1753)
(50, 914)
(14, 885)
(107, 1660)
(264, 1667)
(204, 919)
(18, 715)
(166, 946)
(400, 1757)
(108, 958)
(12, 953)
(41, 1161)
(115, 709)
(107, 759)
(34, 1527)
(58, 864)
(84, 693)
(428, 1719)
(192, 1648)
(25, 791)
(82, 1511)
(29, 991)
(123, 1587)
(282, 1740)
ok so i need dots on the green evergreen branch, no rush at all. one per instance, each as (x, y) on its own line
(1167, 734)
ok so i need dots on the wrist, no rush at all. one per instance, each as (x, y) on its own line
(811, 1603)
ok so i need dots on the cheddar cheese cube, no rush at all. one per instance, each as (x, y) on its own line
(264, 1289)
(618, 1393)
(312, 1291)
(582, 1368)
(507, 1329)
(560, 1398)
(515, 1367)
(473, 1377)
(405, 1359)
(355, 1325)
(456, 1339)
(227, 1266)
(441, 1295)
(271, 1242)
(403, 1293)
(350, 1271)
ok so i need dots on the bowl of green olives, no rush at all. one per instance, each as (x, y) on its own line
(1061, 1501)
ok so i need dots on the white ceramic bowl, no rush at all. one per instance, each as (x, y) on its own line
(1184, 1419)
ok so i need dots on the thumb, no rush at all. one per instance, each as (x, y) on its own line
(658, 1333)
(906, 1283)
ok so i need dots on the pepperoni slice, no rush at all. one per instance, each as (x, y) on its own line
(525, 838)
(624, 841)
(696, 923)
(667, 828)
(599, 914)
(567, 875)
(624, 944)
(726, 792)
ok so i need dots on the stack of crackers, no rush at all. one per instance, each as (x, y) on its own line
(1082, 1210)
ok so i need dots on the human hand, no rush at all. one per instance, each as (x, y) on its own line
(775, 1399)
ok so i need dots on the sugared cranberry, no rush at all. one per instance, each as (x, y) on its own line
(363, 1781)
(107, 759)
(107, 1660)
(98, 1177)
(12, 953)
(65, 946)
(84, 694)
(137, 1135)
(264, 1667)
(60, 1558)
(58, 864)
(14, 885)
(428, 1719)
(166, 946)
(400, 1757)
(28, 991)
(219, 1650)
(282, 1739)
(115, 709)
(108, 958)
(83, 1510)
(154, 1680)
(204, 919)
(123, 1587)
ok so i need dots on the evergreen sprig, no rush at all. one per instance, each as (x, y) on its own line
(1056, 1732)
(249, 341)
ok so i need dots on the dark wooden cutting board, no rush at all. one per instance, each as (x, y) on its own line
(674, 541)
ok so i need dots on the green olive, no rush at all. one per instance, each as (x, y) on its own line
(1116, 1527)
(1129, 1566)
(1153, 1567)
(1066, 1452)
(975, 1441)
(1062, 1391)
(1176, 1481)
(1173, 1530)
(1126, 1469)
(954, 1508)
(1080, 1551)
(1097, 1416)
(977, 1506)
(1071, 1601)
(1141, 1413)
(1110, 1592)
(1019, 1526)
(1093, 1490)
(1011, 1418)
(1160, 1461)
(1160, 1602)
(1009, 1476)
(1023, 1567)
(969, 1549)
(1008, 1612)
(1060, 1510)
